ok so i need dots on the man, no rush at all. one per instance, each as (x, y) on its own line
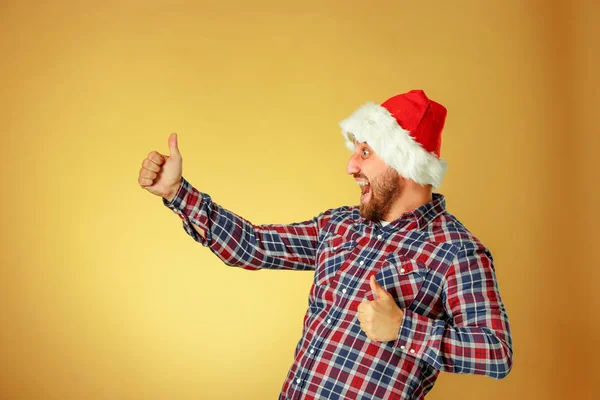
(402, 290)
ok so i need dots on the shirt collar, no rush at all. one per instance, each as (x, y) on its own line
(423, 214)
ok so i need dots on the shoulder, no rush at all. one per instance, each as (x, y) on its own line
(447, 228)
(338, 220)
(338, 214)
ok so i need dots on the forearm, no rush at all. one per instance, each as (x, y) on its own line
(456, 349)
(200, 231)
(238, 242)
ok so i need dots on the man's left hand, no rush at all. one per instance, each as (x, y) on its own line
(381, 318)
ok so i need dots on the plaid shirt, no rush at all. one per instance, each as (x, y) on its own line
(439, 274)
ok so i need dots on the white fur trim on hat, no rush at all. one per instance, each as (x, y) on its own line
(375, 125)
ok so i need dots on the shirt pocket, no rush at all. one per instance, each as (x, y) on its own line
(400, 276)
(333, 254)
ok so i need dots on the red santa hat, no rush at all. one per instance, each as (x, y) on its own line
(405, 131)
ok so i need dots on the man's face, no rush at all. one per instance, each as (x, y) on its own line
(380, 184)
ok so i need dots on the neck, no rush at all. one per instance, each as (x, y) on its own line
(412, 196)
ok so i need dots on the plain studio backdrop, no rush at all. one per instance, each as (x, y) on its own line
(104, 296)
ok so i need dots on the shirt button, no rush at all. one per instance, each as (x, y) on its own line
(344, 290)
(312, 351)
(402, 347)
(362, 262)
(402, 269)
(379, 237)
(412, 351)
(298, 380)
(329, 321)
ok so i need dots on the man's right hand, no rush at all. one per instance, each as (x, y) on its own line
(161, 174)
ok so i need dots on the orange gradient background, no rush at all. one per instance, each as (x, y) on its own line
(104, 296)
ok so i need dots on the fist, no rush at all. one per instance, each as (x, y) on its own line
(381, 318)
(161, 174)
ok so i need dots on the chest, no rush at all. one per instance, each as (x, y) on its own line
(405, 263)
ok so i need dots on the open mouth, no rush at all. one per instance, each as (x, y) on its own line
(365, 188)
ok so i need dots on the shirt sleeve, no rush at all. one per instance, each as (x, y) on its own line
(475, 338)
(238, 242)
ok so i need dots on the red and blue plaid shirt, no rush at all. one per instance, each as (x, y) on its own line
(439, 274)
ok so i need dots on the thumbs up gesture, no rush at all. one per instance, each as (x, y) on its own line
(161, 174)
(381, 318)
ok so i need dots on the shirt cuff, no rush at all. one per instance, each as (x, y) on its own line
(180, 200)
(192, 207)
(414, 334)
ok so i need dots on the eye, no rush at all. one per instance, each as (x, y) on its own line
(365, 152)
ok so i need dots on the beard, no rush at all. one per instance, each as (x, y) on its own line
(383, 191)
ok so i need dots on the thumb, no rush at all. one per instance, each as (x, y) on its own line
(173, 147)
(378, 291)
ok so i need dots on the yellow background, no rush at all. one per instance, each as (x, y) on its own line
(104, 296)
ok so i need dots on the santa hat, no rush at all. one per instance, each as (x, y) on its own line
(405, 131)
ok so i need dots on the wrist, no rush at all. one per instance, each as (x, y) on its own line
(171, 195)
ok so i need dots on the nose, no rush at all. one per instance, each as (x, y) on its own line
(353, 166)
